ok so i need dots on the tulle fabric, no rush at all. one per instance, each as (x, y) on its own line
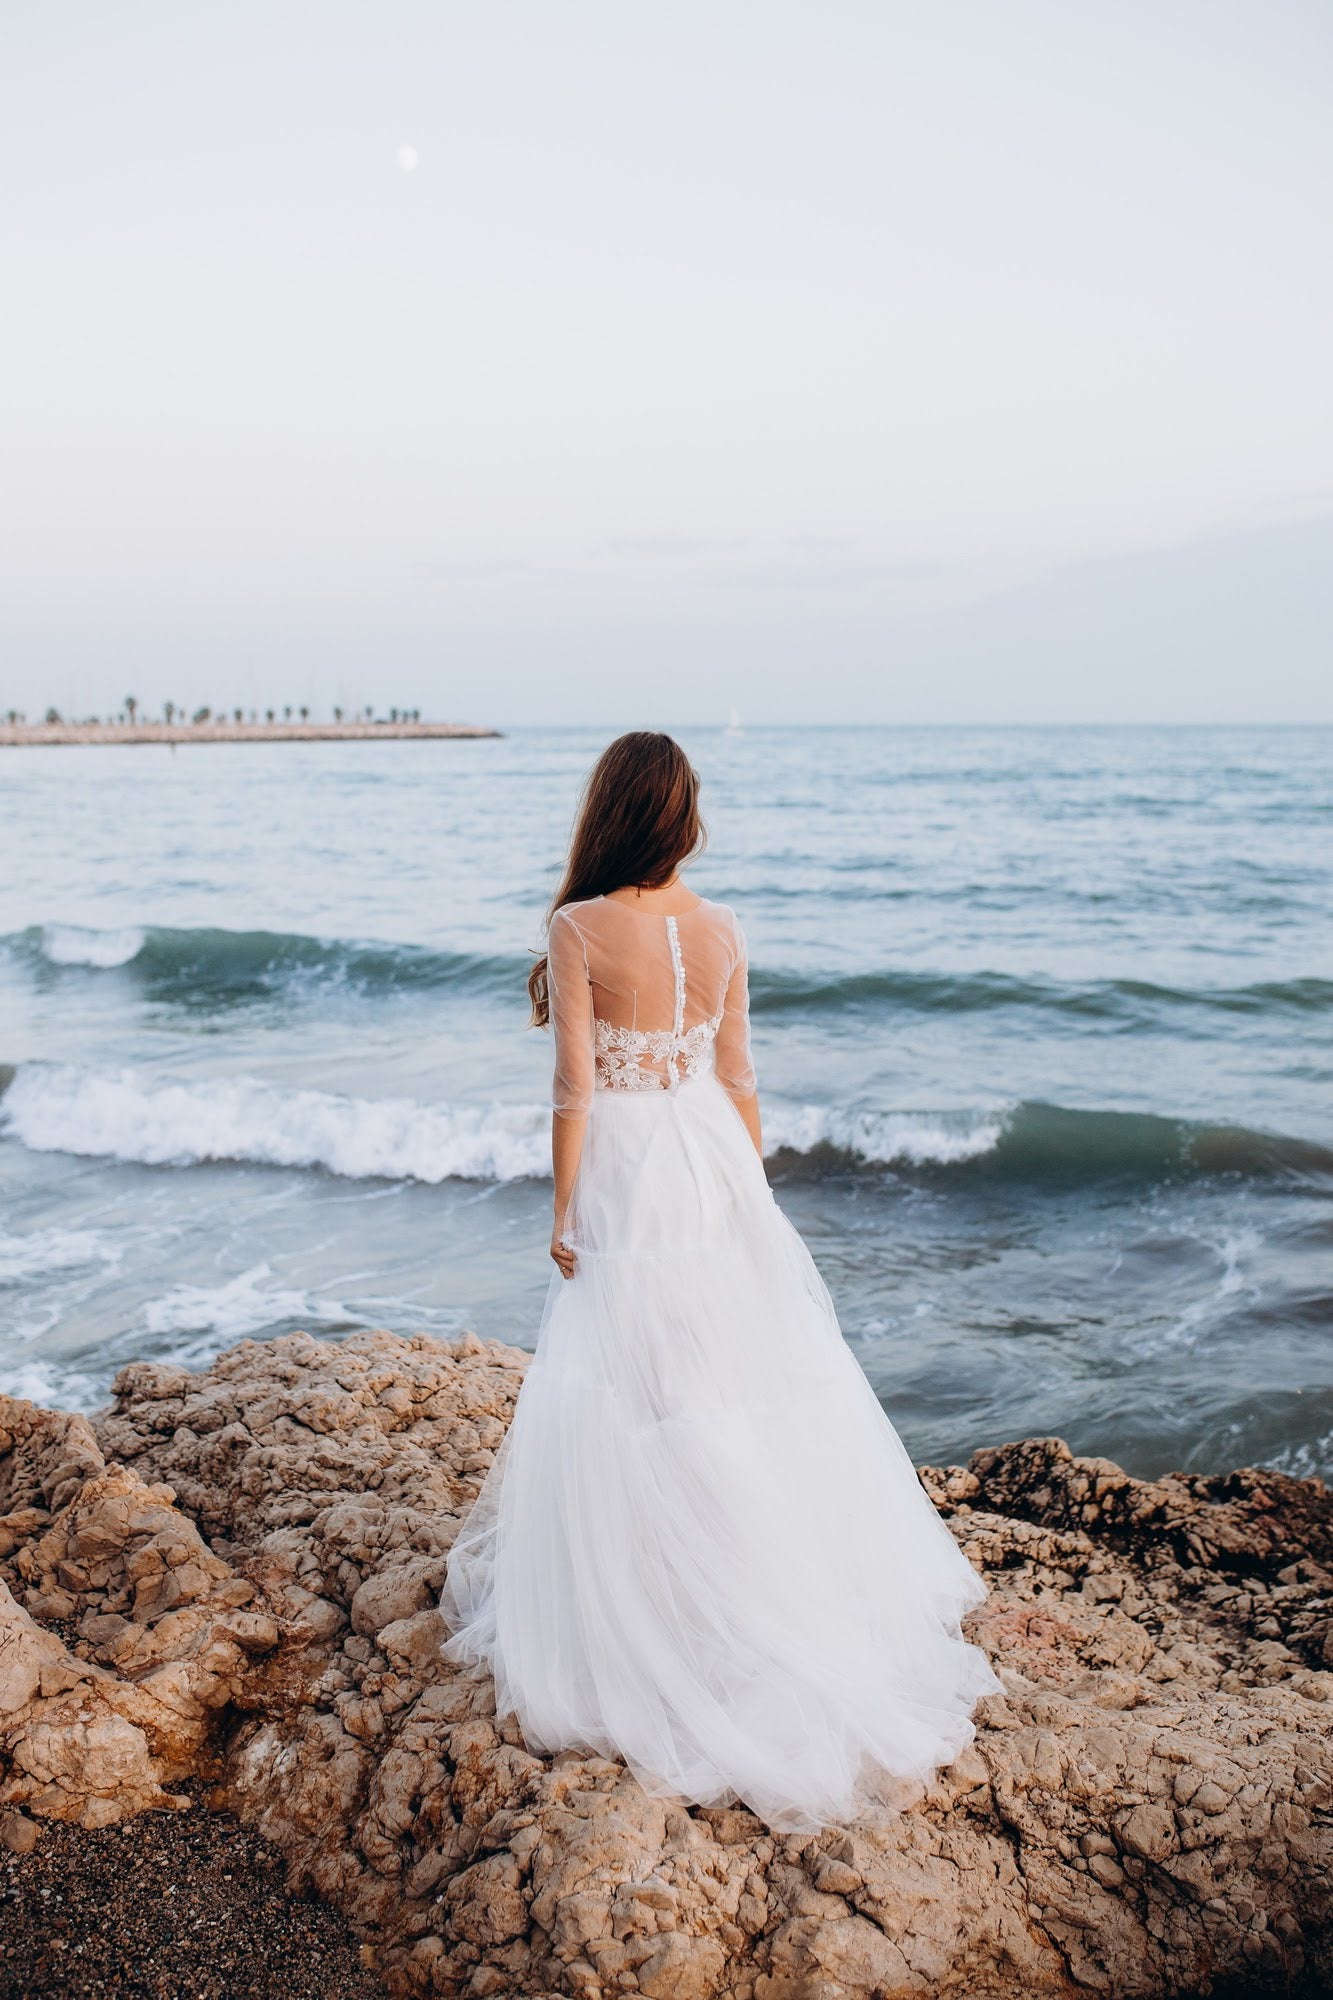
(702, 1546)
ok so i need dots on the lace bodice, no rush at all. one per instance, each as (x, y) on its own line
(620, 1056)
(643, 1001)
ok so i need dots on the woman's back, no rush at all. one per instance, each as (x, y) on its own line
(640, 998)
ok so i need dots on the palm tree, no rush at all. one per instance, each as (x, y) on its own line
(287, 713)
(268, 715)
(238, 715)
(131, 706)
(168, 709)
(337, 715)
(304, 714)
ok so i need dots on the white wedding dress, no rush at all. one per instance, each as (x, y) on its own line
(702, 1546)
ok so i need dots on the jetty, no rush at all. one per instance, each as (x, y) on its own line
(15, 735)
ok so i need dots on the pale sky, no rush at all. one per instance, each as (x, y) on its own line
(961, 360)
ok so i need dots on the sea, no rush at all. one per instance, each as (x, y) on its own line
(1041, 1017)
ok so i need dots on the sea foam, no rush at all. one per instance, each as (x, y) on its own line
(242, 1306)
(53, 1385)
(187, 1326)
(128, 1115)
(40, 1251)
(887, 1138)
(69, 944)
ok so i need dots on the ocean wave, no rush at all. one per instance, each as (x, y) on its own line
(977, 992)
(822, 1136)
(1060, 1147)
(222, 968)
(1050, 1142)
(133, 1116)
(125, 1115)
(214, 968)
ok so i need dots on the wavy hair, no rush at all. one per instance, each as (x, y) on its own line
(637, 822)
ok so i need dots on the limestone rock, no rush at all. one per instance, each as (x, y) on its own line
(238, 1574)
(98, 1719)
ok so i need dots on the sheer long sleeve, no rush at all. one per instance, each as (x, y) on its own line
(735, 1066)
(570, 990)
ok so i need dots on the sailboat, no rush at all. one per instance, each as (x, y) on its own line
(733, 727)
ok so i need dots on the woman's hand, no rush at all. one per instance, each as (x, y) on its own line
(561, 1254)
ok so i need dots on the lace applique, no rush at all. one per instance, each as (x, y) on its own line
(620, 1055)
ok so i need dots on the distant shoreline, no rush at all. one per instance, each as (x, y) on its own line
(16, 735)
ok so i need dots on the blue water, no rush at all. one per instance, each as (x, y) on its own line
(1042, 1019)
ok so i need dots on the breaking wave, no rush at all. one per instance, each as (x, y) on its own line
(213, 968)
(133, 1116)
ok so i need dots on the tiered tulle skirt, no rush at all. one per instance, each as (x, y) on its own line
(702, 1546)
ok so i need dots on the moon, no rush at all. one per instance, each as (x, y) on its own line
(407, 159)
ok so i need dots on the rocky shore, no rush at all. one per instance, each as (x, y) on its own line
(228, 1581)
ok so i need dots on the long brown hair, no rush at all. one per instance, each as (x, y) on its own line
(638, 820)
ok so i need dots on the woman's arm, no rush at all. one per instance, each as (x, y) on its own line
(731, 1054)
(569, 987)
(566, 1152)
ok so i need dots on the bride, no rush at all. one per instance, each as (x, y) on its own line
(702, 1546)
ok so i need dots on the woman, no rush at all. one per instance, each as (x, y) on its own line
(702, 1546)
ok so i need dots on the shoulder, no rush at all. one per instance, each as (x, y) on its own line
(575, 915)
(726, 920)
(568, 928)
